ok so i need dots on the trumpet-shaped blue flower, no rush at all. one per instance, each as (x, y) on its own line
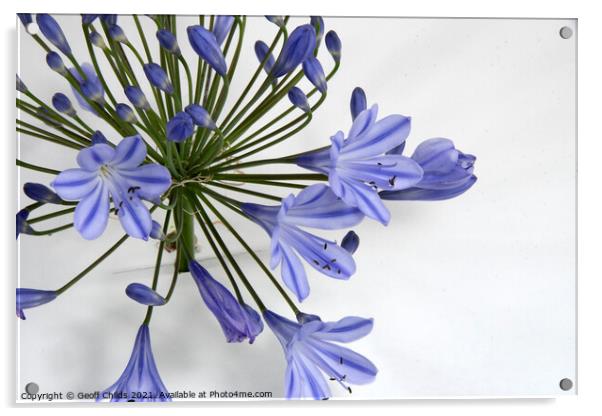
(30, 298)
(238, 321)
(298, 47)
(315, 74)
(53, 32)
(105, 172)
(206, 46)
(91, 86)
(200, 116)
(144, 295)
(299, 99)
(23, 226)
(41, 193)
(55, 62)
(262, 51)
(62, 104)
(180, 127)
(125, 113)
(447, 173)
(358, 102)
(334, 46)
(315, 206)
(222, 27)
(168, 41)
(351, 242)
(140, 381)
(311, 354)
(136, 97)
(357, 166)
(158, 77)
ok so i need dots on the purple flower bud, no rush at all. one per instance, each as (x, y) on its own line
(30, 298)
(25, 18)
(318, 23)
(21, 87)
(358, 102)
(157, 232)
(351, 242)
(158, 78)
(55, 62)
(98, 138)
(277, 20)
(298, 47)
(205, 45)
(93, 91)
(137, 97)
(168, 41)
(62, 104)
(89, 18)
(53, 32)
(222, 27)
(23, 226)
(125, 113)
(314, 72)
(298, 98)
(200, 116)
(333, 44)
(144, 295)
(97, 40)
(109, 19)
(41, 193)
(261, 51)
(117, 34)
(180, 127)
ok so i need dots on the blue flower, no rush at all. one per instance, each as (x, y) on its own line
(358, 103)
(25, 18)
(333, 44)
(180, 127)
(447, 173)
(21, 87)
(55, 62)
(116, 173)
(144, 295)
(158, 78)
(125, 113)
(200, 116)
(222, 27)
(136, 97)
(206, 46)
(89, 18)
(98, 138)
(357, 166)
(62, 104)
(351, 242)
(168, 41)
(53, 32)
(30, 298)
(140, 380)
(297, 48)
(23, 226)
(315, 206)
(277, 20)
(41, 193)
(91, 87)
(238, 321)
(314, 73)
(299, 99)
(117, 34)
(261, 51)
(311, 354)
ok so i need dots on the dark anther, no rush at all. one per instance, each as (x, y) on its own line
(133, 189)
(333, 260)
(349, 388)
(116, 211)
(344, 377)
(326, 267)
(325, 246)
(341, 360)
(332, 379)
(120, 204)
(392, 181)
(316, 262)
(325, 398)
(379, 164)
(339, 271)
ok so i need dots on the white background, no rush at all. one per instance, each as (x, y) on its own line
(591, 226)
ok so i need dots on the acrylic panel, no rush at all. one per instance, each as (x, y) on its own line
(460, 287)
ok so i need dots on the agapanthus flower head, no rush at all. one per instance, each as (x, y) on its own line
(97, 40)
(358, 103)
(206, 46)
(62, 104)
(98, 138)
(447, 173)
(55, 62)
(299, 99)
(106, 173)
(312, 354)
(91, 86)
(297, 48)
(21, 87)
(318, 23)
(180, 127)
(125, 113)
(262, 51)
(238, 321)
(23, 226)
(53, 32)
(136, 97)
(144, 295)
(315, 73)
(41, 193)
(30, 298)
(317, 207)
(200, 116)
(140, 376)
(168, 41)
(89, 18)
(25, 18)
(357, 166)
(351, 242)
(334, 45)
(222, 27)
(158, 77)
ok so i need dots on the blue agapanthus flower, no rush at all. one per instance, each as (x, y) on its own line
(357, 166)
(207, 47)
(315, 206)
(140, 381)
(238, 321)
(117, 173)
(30, 298)
(312, 355)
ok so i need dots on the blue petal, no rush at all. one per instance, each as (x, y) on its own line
(298, 47)
(418, 194)
(350, 242)
(436, 155)
(314, 72)
(387, 172)
(206, 46)
(382, 136)
(293, 273)
(74, 184)
(358, 102)
(129, 153)
(221, 27)
(153, 180)
(355, 368)
(93, 157)
(92, 213)
(135, 217)
(348, 329)
(303, 379)
(362, 122)
(360, 195)
(283, 328)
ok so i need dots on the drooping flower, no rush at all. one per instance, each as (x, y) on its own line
(238, 321)
(447, 173)
(125, 113)
(41, 193)
(168, 41)
(206, 46)
(23, 226)
(312, 355)
(158, 77)
(30, 298)
(180, 127)
(315, 206)
(222, 27)
(351, 242)
(140, 376)
(200, 116)
(334, 46)
(358, 103)
(315, 74)
(297, 48)
(357, 167)
(299, 99)
(261, 51)
(55, 62)
(116, 173)
(62, 104)
(144, 295)
(53, 32)
(91, 86)
(136, 97)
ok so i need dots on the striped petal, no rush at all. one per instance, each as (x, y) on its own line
(387, 172)
(129, 153)
(152, 179)
(347, 364)
(360, 195)
(135, 217)
(93, 157)
(92, 213)
(293, 273)
(74, 184)
(303, 379)
(380, 137)
(348, 329)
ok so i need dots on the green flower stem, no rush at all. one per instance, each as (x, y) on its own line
(149, 57)
(149, 310)
(83, 124)
(51, 215)
(241, 240)
(174, 277)
(41, 43)
(188, 77)
(52, 230)
(185, 222)
(36, 168)
(52, 113)
(245, 191)
(242, 177)
(75, 138)
(34, 206)
(276, 183)
(49, 138)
